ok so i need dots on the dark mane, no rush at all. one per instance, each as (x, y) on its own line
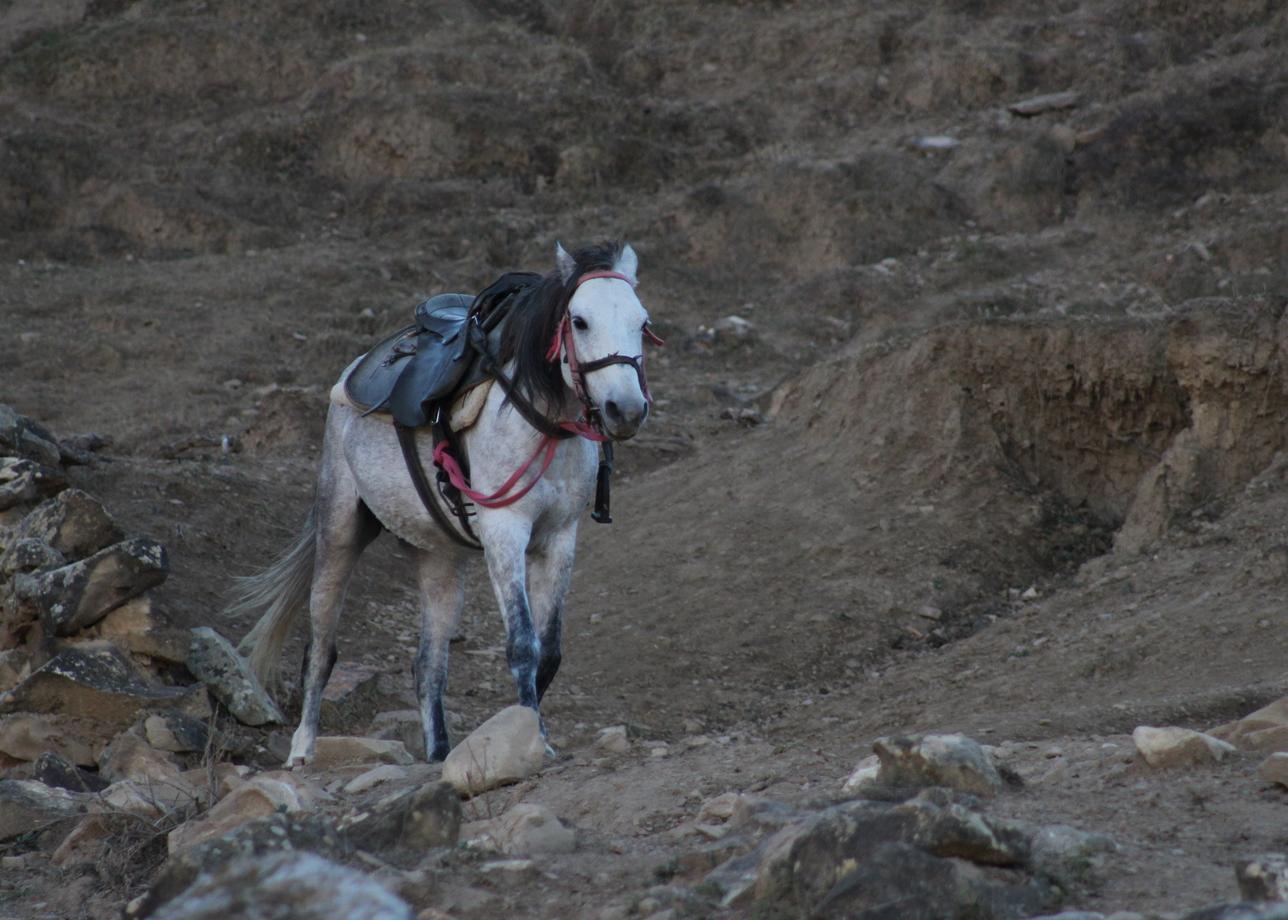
(538, 307)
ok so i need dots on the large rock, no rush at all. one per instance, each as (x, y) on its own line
(131, 757)
(525, 829)
(214, 661)
(27, 806)
(1263, 730)
(140, 628)
(15, 667)
(300, 886)
(80, 594)
(27, 554)
(23, 437)
(25, 482)
(1268, 910)
(1263, 878)
(73, 523)
(56, 771)
(264, 795)
(953, 761)
(926, 886)
(1274, 769)
(1071, 857)
(255, 839)
(1178, 747)
(351, 699)
(176, 732)
(417, 819)
(101, 681)
(505, 749)
(26, 736)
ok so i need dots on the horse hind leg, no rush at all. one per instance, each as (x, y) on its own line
(442, 596)
(345, 528)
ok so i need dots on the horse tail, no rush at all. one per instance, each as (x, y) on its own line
(281, 591)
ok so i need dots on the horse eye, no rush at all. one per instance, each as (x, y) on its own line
(579, 323)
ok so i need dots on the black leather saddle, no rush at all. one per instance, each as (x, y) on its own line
(419, 365)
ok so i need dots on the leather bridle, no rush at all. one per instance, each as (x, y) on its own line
(564, 342)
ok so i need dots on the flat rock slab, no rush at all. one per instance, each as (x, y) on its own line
(175, 732)
(953, 761)
(214, 661)
(1264, 730)
(526, 829)
(26, 736)
(256, 798)
(1178, 747)
(139, 627)
(99, 682)
(1050, 102)
(418, 819)
(80, 594)
(73, 522)
(258, 838)
(301, 886)
(27, 806)
(505, 749)
(1274, 769)
(333, 751)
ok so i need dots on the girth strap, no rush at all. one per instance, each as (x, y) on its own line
(411, 457)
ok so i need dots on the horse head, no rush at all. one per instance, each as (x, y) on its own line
(600, 343)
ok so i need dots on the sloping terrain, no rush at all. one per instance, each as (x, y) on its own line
(989, 350)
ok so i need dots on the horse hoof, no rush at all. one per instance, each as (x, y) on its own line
(551, 753)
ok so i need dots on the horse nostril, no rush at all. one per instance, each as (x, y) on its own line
(612, 411)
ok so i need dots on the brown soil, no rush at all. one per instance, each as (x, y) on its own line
(1051, 357)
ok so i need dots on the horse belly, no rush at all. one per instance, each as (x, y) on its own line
(375, 459)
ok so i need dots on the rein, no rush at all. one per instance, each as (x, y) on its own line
(552, 432)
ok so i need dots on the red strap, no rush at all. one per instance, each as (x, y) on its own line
(498, 499)
(590, 276)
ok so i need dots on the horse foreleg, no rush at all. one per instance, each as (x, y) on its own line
(506, 542)
(549, 572)
(345, 527)
(442, 596)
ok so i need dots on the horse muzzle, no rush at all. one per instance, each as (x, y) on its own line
(622, 418)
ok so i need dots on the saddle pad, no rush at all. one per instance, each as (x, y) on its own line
(465, 410)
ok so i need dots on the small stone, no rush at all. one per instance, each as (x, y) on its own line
(865, 774)
(374, 777)
(954, 761)
(401, 725)
(1176, 747)
(87, 843)
(1274, 769)
(938, 143)
(344, 751)
(73, 523)
(505, 749)
(176, 732)
(720, 808)
(733, 326)
(418, 819)
(1263, 878)
(15, 666)
(214, 661)
(1049, 102)
(613, 739)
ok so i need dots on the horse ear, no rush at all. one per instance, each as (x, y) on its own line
(567, 264)
(628, 263)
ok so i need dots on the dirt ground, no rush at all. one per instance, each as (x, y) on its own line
(1000, 451)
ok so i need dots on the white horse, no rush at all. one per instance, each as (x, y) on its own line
(586, 307)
